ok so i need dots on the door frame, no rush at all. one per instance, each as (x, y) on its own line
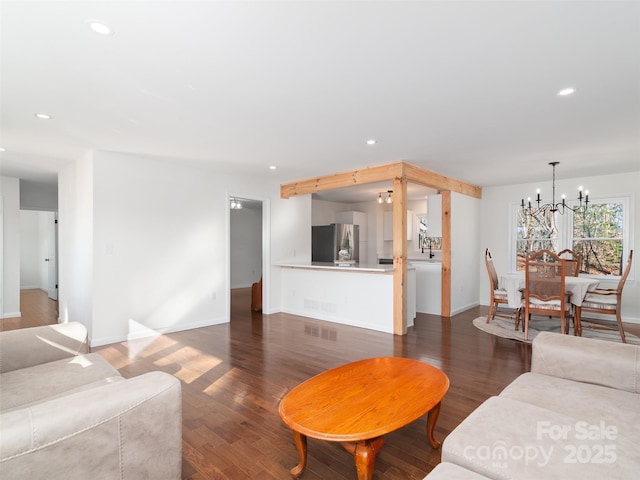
(266, 249)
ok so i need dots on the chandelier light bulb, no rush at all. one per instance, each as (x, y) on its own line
(542, 210)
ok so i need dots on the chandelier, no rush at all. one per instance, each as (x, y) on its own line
(562, 207)
(388, 199)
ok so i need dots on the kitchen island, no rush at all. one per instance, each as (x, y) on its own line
(356, 295)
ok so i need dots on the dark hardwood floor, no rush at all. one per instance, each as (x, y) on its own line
(234, 375)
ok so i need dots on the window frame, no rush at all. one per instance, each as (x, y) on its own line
(564, 223)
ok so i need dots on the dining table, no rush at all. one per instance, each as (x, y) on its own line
(513, 283)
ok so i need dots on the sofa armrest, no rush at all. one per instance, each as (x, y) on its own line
(130, 429)
(599, 362)
(34, 346)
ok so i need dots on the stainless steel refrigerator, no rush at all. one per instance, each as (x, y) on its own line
(337, 242)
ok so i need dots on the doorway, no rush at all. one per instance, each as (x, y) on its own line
(246, 253)
(39, 251)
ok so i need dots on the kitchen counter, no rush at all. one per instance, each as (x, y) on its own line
(371, 268)
(357, 295)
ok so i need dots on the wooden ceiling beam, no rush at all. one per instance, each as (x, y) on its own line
(380, 174)
(341, 180)
(431, 179)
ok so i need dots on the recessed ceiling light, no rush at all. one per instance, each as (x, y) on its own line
(566, 91)
(43, 116)
(371, 142)
(100, 28)
(2, 149)
(272, 167)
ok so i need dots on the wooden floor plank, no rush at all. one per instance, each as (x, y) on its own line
(234, 376)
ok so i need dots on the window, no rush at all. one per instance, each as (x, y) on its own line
(601, 235)
(424, 240)
(533, 234)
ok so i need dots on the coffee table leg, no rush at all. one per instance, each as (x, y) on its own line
(301, 446)
(432, 417)
(364, 453)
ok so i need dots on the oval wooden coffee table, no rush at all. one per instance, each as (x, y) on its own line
(358, 403)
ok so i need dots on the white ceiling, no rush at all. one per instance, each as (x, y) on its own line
(467, 89)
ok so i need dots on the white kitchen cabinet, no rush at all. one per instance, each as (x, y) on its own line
(356, 218)
(360, 219)
(428, 287)
(387, 225)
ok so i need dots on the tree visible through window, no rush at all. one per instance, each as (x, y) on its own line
(535, 233)
(598, 235)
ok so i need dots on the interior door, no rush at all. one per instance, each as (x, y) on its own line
(51, 242)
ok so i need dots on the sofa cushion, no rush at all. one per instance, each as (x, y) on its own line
(587, 360)
(26, 347)
(506, 438)
(583, 401)
(34, 384)
(451, 471)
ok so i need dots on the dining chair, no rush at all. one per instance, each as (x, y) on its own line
(574, 261)
(607, 301)
(497, 295)
(544, 292)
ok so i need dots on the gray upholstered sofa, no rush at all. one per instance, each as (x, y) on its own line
(575, 415)
(66, 413)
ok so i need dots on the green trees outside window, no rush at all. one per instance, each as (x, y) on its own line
(598, 235)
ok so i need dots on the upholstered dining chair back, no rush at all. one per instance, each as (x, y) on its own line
(545, 292)
(573, 261)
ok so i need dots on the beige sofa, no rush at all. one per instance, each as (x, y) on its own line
(575, 415)
(68, 414)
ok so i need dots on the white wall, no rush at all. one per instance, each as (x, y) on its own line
(159, 248)
(75, 243)
(246, 246)
(323, 212)
(38, 196)
(10, 192)
(29, 249)
(290, 240)
(155, 238)
(495, 225)
(465, 245)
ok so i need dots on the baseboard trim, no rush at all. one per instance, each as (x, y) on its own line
(12, 315)
(154, 332)
(464, 309)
